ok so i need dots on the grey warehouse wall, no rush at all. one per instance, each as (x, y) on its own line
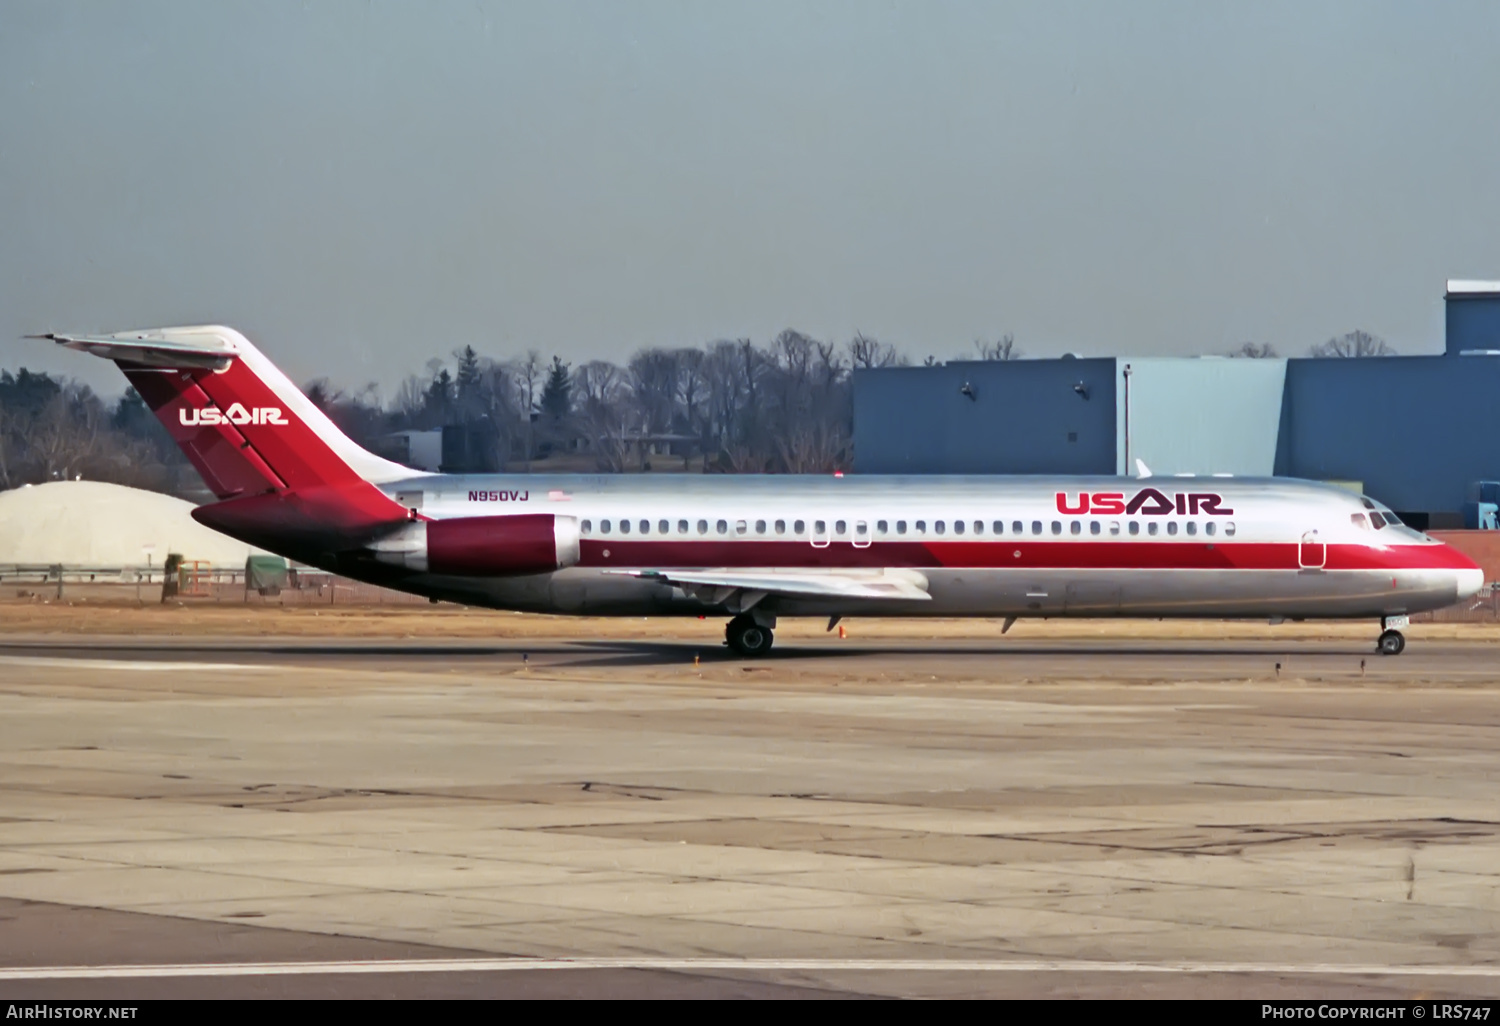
(1414, 429)
(1025, 417)
(1205, 415)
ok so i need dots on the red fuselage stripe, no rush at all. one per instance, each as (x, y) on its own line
(1018, 554)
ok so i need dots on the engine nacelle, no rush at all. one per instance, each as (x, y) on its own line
(509, 546)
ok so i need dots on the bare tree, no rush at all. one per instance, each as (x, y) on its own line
(602, 405)
(1354, 344)
(528, 376)
(694, 383)
(806, 422)
(8, 450)
(654, 379)
(1003, 348)
(1255, 351)
(866, 353)
(410, 398)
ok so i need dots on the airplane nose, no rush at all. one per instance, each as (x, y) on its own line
(1469, 582)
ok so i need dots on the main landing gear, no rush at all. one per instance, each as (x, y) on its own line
(746, 637)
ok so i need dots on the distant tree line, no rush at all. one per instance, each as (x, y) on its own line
(1351, 344)
(731, 406)
(53, 430)
(728, 407)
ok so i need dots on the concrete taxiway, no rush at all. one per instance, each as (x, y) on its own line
(1012, 818)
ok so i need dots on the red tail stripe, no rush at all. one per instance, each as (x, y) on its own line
(301, 458)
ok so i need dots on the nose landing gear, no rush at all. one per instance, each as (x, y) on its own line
(746, 637)
(1392, 641)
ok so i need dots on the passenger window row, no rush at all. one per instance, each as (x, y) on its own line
(917, 527)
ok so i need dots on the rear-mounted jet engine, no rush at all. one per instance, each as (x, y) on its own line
(508, 546)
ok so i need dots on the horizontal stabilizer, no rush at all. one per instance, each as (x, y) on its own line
(800, 583)
(207, 351)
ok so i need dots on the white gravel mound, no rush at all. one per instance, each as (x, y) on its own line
(92, 524)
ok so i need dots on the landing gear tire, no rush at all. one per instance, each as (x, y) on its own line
(748, 638)
(1391, 643)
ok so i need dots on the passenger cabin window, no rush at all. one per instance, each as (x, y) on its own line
(1192, 528)
(1016, 527)
(1094, 527)
(604, 527)
(703, 527)
(1229, 528)
(799, 526)
(1152, 527)
(663, 527)
(1057, 527)
(760, 527)
(1135, 527)
(881, 526)
(921, 527)
(781, 527)
(839, 527)
(1114, 527)
(740, 527)
(958, 527)
(586, 526)
(645, 527)
(901, 527)
(1036, 527)
(862, 529)
(1076, 527)
(1172, 527)
(998, 526)
(1208, 528)
(937, 528)
(979, 527)
(723, 526)
(820, 527)
(624, 526)
(682, 527)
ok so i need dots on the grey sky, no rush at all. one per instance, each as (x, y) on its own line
(361, 185)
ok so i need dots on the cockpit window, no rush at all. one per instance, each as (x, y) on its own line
(1359, 521)
(1377, 519)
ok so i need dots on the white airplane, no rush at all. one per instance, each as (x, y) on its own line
(755, 548)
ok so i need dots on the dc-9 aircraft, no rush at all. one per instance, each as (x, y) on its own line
(755, 548)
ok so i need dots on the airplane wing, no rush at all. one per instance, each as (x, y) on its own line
(742, 588)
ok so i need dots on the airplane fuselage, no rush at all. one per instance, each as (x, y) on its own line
(979, 546)
(759, 547)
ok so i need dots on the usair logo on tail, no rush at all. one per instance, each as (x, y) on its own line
(236, 414)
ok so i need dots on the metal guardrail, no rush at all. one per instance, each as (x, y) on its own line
(204, 581)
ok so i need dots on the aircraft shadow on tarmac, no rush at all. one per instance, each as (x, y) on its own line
(627, 652)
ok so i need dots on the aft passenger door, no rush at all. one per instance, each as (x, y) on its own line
(1312, 552)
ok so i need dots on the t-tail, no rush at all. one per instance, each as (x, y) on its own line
(274, 460)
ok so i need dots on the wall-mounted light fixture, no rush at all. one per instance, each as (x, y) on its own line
(1081, 389)
(968, 390)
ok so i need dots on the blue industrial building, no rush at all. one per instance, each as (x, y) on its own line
(1416, 432)
(1014, 417)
